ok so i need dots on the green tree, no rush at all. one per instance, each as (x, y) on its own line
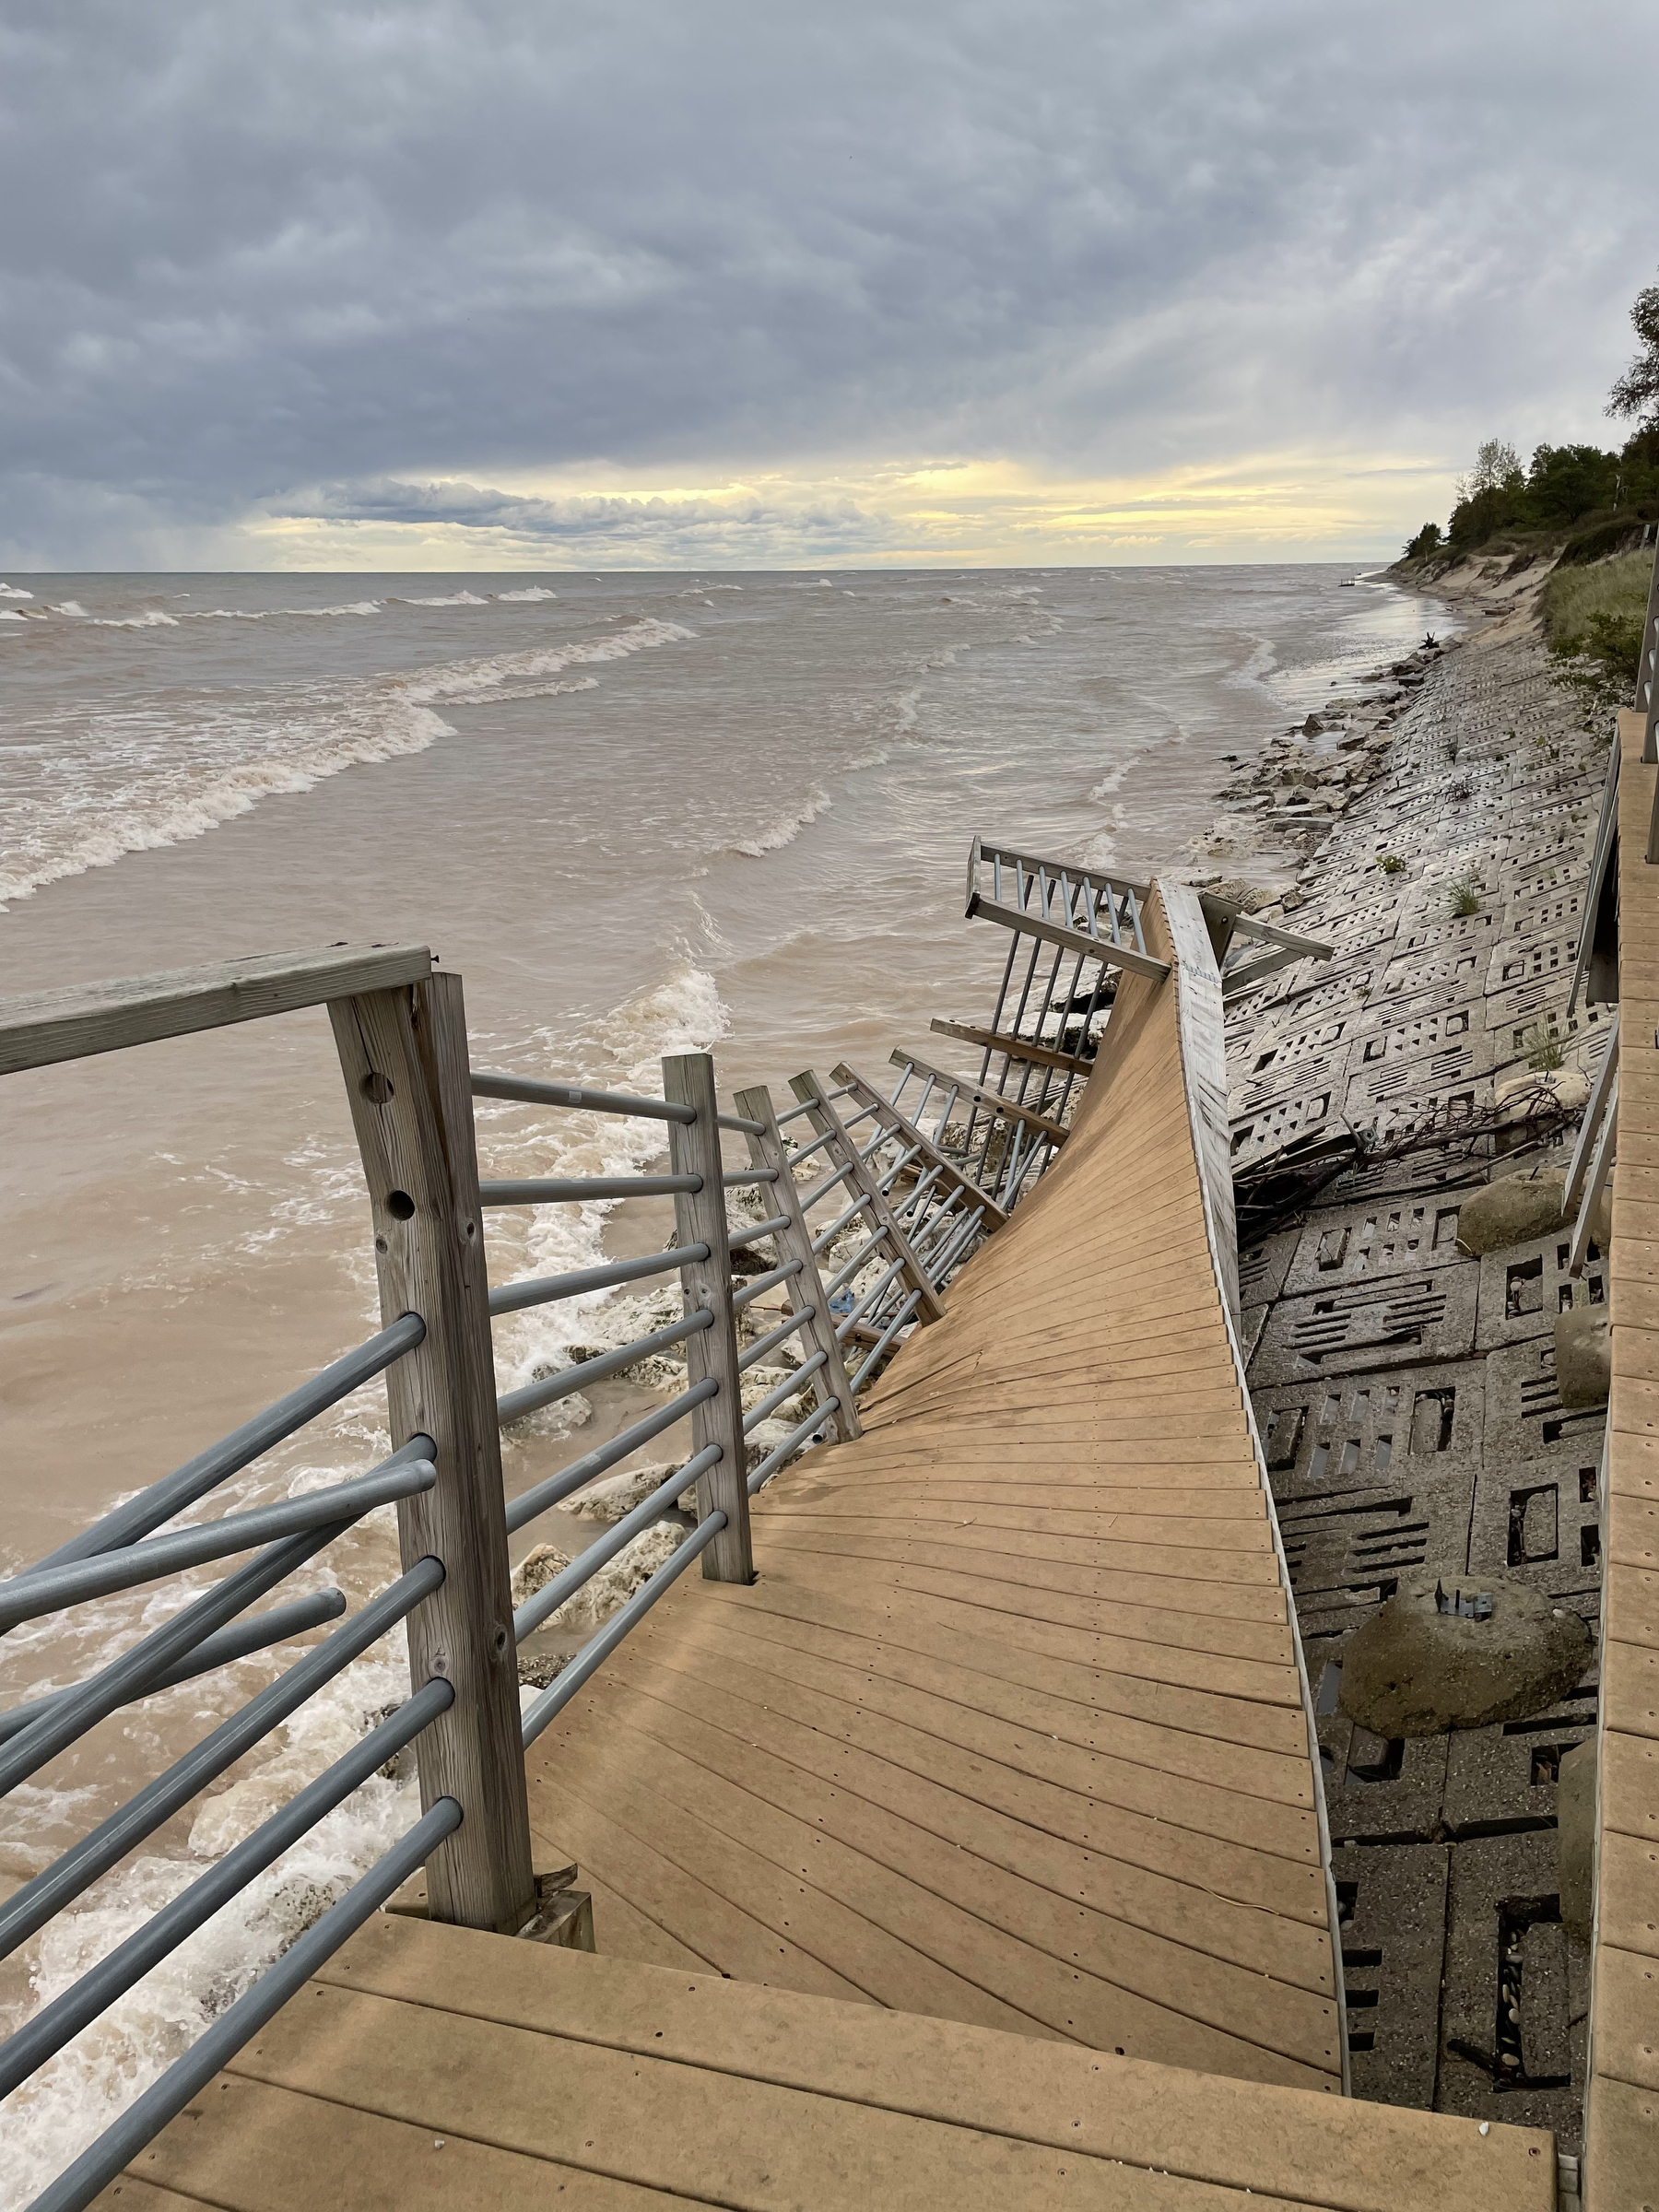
(1427, 541)
(1566, 481)
(1496, 468)
(1637, 390)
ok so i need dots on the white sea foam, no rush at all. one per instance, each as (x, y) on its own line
(71, 606)
(13, 591)
(682, 1013)
(152, 619)
(786, 828)
(10, 614)
(532, 591)
(450, 599)
(154, 779)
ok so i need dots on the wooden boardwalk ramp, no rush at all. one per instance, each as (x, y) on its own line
(974, 1854)
(1011, 1729)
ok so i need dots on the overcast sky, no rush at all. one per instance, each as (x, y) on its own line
(664, 282)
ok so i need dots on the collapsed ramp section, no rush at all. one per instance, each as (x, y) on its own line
(1012, 1729)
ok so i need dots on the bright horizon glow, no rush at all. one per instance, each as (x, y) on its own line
(983, 514)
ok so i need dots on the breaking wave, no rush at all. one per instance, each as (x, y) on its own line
(151, 778)
(786, 828)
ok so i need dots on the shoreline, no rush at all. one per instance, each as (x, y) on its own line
(1404, 1387)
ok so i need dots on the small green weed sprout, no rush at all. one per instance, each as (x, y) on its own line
(1391, 864)
(1465, 896)
(1544, 1052)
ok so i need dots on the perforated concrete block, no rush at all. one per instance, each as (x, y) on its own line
(1363, 1242)
(1422, 1423)
(1380, 1789)
(1501, 1888)
(1525, 1288)
(1503, 1778)
(1355, 1544)
(1399, 1321)
(1540, 1519)
(1392, 1919)
(1525, 1416)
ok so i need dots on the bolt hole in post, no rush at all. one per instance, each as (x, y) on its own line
(400, 1206)
(376, 1088)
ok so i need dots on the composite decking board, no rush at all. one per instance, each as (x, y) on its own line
(875, 2107)
(1071, 1793)
(665, 2125)
(1026, 1649)
(803, 1923)
(986, 1604)
(964, 1852)
(1221, 1501)
(248, 2145)
(1184, 1549)
(1279, 1779)
(1039, 1966)
(670, 1892)
(1225, 1636)
(957, 1802)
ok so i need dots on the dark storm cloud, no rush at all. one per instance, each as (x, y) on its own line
(256, 247)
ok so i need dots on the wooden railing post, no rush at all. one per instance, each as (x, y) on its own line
(706, 1284)
(404, 1059)
(806, 1288)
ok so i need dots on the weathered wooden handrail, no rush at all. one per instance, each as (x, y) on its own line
(44, 1027)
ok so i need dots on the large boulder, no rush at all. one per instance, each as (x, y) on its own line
(1584, 1357)
(1533, 1091)
(1511, 1211)
(1414, 1670)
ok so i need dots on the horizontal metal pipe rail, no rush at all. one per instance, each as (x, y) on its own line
(531, 1396)
(755, 1235)
(161, 1501)
(77, 1710)
(26, 1597)
(580, 1669)
(903, 1314)
(545, 1291)
(791, 1387)
(280, 1624)
(849, 1321)
(827, 1237)
(770, 1343)
(103, 2160)
(587, 1564)
(850, 1268)
(533, 1091)
(569, 1480)
(32, 1906)
(561, 1190)
(822, 1188)
(758, 1285)
(795, 1112)
(792, 1443)
(161, 1935)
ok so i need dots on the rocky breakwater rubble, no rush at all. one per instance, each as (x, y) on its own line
(1429, 1377)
